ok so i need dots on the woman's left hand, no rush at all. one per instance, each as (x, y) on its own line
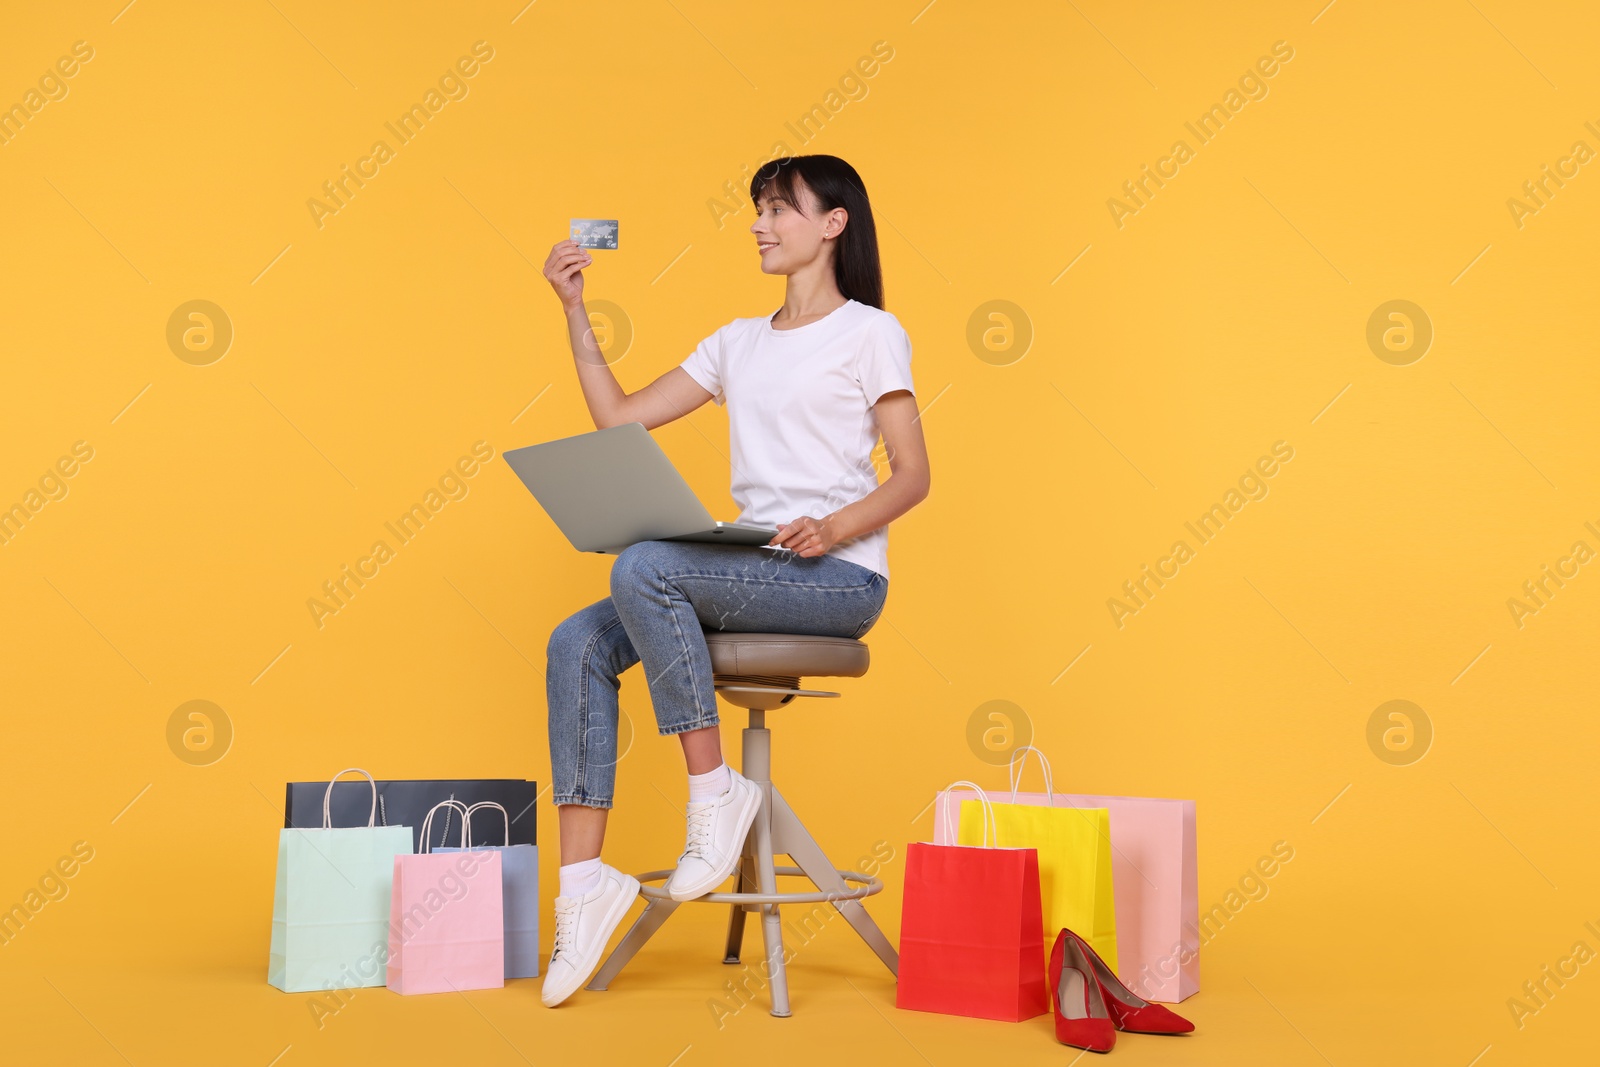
(806, 536)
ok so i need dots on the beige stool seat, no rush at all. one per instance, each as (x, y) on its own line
(800, 655)
(760, 672)
(763, 671)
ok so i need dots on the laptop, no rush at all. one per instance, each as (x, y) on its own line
(611, 488)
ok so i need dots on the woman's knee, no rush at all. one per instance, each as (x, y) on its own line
(567, 640)
(637, 566)
(575, 634)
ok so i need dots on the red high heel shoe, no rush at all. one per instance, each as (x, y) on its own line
(1128, 1011)
(1082, 1018)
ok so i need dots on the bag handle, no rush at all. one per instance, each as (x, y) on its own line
(496, 807)
(327, 798)
(988, 815)
(427, 824)
(1016, 767)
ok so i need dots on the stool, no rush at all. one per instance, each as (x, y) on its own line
(760, 672)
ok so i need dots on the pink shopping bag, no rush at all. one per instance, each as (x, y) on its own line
(1154, 874)
(446, 918)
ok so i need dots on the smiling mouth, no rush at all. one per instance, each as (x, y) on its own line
(765, 247)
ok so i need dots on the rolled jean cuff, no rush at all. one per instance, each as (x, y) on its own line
(587, 802)
(685, 727)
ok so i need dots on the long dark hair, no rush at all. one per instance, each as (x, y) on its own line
(834, 183)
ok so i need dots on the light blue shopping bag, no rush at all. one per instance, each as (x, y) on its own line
(519, 873)
(330, 910)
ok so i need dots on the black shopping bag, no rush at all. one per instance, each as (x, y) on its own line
(407, 802)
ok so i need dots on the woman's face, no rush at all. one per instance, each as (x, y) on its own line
(787, 240)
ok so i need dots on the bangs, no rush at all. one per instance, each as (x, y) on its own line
(778, 181)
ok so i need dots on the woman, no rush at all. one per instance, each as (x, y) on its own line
(808, 391)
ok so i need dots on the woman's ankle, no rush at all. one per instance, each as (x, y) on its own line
(579, 877)
(710, 785)
(702, 749)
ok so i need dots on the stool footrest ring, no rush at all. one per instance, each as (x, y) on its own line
(868, 885)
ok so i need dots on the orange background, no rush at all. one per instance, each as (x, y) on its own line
(1165, 356)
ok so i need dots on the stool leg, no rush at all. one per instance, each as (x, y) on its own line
(771, 923)
(744, 882)
(791, 837)
(648, 922)
(757, 766)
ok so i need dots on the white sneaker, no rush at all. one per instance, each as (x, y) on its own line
(583, 926)
(717, 830)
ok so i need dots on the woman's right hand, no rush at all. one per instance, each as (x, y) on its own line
(564, 270)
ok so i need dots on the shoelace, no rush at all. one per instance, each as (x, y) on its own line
(566, 927)
(699, 836)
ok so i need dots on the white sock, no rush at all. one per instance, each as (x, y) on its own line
(579, 878)
(710, 785)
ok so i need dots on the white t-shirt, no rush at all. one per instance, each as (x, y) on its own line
(800, 415)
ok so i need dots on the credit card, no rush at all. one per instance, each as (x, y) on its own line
(595, 233)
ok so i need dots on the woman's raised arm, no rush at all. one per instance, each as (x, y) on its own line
(671, 396)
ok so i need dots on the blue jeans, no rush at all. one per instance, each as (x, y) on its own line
(664, 596)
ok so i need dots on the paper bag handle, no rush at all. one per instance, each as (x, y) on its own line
(1017, 766)
(488, 804)
(427, 823)
(327, 798)
(988, 814)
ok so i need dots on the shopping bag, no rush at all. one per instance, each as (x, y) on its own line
(1074, 846)
(446, 918)
(519, 888)
(1155, 881)
(404, 802)
(971, 930)
(330, 907)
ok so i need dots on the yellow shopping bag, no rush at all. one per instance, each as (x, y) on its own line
(1074, 846)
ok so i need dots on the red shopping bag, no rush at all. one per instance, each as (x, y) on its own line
(972, 930)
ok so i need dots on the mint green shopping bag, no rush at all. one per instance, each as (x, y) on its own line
(330, 910)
